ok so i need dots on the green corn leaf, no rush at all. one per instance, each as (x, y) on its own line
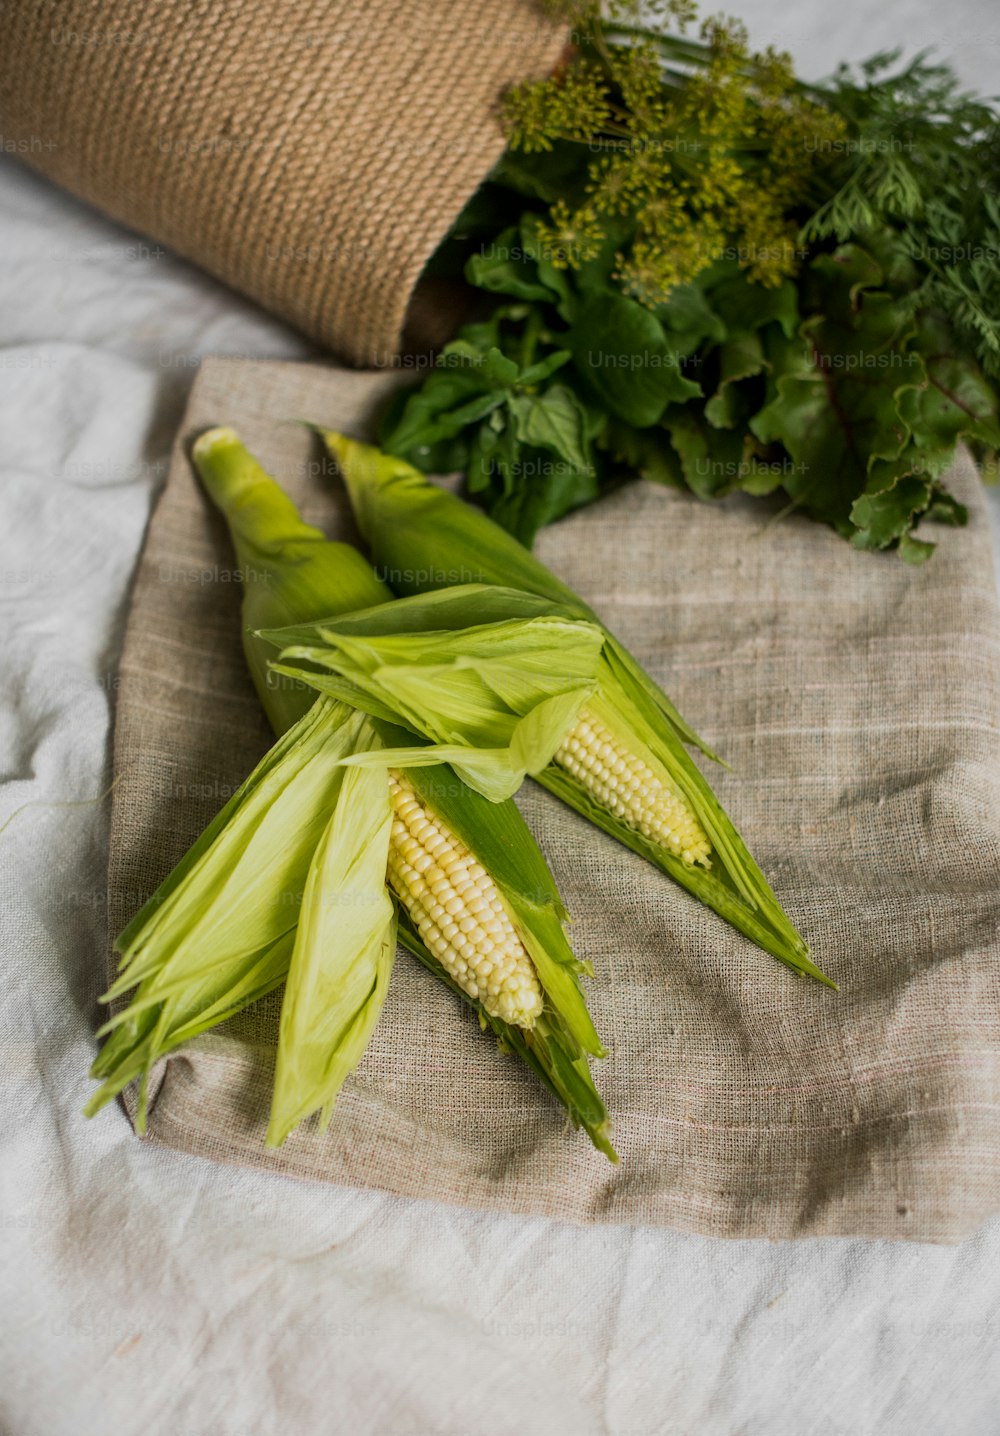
(495, 773)
(549, 1049)
(342, 959)
(240, 894)
(459, 606)
(133, 1049)
(495, 699)
(220, 931)
(126, 939)
(482, 669)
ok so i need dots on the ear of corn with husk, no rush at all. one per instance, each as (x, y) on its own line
(289, 882)
(630, 772)
(557, 1044)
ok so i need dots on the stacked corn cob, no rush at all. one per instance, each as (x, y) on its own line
(476, 902)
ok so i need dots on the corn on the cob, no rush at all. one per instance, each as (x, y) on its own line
(421, 538)
(631, 788)
(455, 906)
(530, 996)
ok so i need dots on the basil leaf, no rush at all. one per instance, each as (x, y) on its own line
(418, 425)
(547, 488)
(493, 453)
(553, 420)
(536, 373)
(491, 367)
(622, 353)
(505, 268)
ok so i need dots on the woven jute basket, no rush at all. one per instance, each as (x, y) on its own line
(311, 153)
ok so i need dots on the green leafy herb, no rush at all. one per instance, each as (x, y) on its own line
(710, 274)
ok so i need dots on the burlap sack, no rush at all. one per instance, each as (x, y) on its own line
(856, 699)
(311, 153)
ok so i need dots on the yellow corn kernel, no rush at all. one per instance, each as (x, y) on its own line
(626, 785)
(457, 911)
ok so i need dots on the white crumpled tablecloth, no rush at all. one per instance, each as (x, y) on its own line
(143, 1291)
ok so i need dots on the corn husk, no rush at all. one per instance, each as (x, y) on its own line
(290, 570)
(220, 931)
(419, 536)
(556, 1048)
(345, 943)
(299, 850)
(493, 698)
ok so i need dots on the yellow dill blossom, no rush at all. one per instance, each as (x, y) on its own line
(704, 146)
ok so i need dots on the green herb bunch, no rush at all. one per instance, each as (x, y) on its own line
(704, 271)
(694, 161)
(923, 157)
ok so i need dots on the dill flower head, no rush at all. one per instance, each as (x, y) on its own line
(700, 145)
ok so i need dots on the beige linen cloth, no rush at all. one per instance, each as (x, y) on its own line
(856, 700)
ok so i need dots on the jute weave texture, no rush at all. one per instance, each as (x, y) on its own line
(311, 155)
